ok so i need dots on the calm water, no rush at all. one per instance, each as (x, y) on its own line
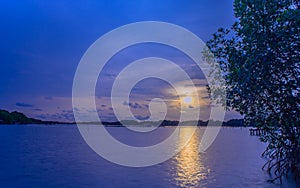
(57, 156)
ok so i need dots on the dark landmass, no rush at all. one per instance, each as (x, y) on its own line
(19, 118)
(230, 123)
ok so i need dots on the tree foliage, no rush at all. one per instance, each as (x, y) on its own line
(17, 118)
(260, 61)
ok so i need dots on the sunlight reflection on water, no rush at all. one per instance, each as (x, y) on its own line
(189, 165)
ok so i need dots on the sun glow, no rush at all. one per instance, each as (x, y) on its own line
(188, 97)
(187, 100)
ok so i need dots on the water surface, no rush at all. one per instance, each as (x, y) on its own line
(57, 156)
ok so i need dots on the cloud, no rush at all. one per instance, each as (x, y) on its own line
(24, 105)
(76, 109)
(37, 109)
(64, 116)
(139, 117)
(68, 111)
(48, 98)
(135, 105)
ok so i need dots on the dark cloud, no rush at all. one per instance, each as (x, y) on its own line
(48, 98)
(67, 111)
(139, 117)
(20, 104)
(135, 105)
(37, 109)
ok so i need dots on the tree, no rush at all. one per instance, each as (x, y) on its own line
(17, 118)
(5, 117)
(260, 61)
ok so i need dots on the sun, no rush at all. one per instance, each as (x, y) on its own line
(187, 100)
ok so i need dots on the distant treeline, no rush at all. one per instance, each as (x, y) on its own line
(19, 118)
(231, 123)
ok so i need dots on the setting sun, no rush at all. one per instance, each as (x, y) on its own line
(187, 100)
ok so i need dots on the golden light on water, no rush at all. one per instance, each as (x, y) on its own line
(189, 166)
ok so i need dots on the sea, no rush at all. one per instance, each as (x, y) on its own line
(41, 156)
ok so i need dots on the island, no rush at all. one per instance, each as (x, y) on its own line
(20, 118)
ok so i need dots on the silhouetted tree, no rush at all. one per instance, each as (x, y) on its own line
(260, 61)
(17, 118)
(5, 117)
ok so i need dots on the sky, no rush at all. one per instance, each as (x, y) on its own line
(42, 43)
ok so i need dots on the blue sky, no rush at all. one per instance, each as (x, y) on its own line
(42, 43)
